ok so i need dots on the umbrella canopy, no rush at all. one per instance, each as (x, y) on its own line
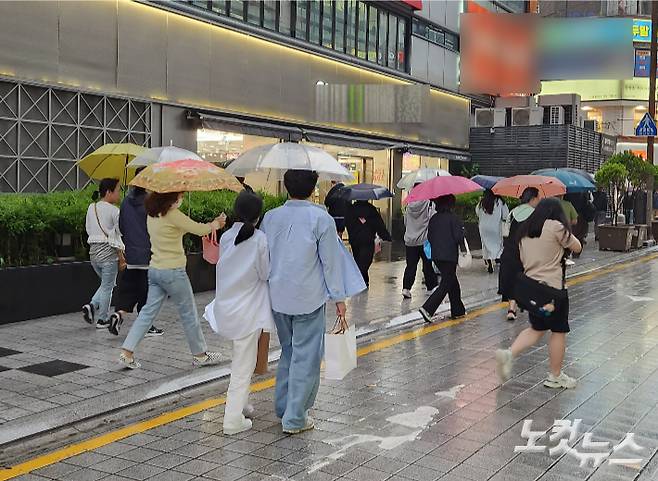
(162, 154)
(514, 186)
(418, 176)
(439, 186)
(278, 158)
(582, 172)
(110, 161)
(486, 181)
(574, 182)
(365, 192)
(184, 176)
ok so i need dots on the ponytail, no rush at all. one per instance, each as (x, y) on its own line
(246, 231)
(95, 196)
(247, 209)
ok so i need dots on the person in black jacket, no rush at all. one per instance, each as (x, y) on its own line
(337, 205)
(363, 223)
(446, 235)
(134, 285)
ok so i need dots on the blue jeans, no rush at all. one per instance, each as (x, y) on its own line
(298, 375)
(175, 284)
(107, 272)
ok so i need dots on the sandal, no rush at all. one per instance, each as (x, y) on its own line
(511, 315)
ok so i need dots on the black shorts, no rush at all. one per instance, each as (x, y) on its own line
(557, 322)
(133, 290)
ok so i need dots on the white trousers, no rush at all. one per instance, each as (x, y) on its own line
(245, 351)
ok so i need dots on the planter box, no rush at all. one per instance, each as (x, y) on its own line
(47, 290)
(640, 235)
(616, 238)
(472, 233)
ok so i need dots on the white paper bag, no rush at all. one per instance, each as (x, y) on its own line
(339, 354)
(465, 259)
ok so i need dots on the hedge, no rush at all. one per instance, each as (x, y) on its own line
(29, 223)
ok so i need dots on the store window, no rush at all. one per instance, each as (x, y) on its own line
(435, 34)
(383, 33)
(301, 30)
(351, 27)
(220, 7)
(314, 29)
(254, 12)
(392, 40)
(402, 52)
(328, 23)
(372, 34)
(339, 38)
(362, 31)
(269, 14)
(236, 9)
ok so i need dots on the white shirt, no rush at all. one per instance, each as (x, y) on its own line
(108, 215)
(242, 298)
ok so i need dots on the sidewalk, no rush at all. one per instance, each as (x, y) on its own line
(58, 370)
(425, 406)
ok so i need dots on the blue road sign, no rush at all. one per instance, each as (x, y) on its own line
(646, 127)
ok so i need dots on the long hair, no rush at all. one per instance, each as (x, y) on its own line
(488, 201)
(528, 194)
(547, 209)
(445, 203)
(105, 186)
(248, 208)
(158, 205)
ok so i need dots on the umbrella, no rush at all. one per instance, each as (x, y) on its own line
(278, 158)
(366, 192)
(514, 186)
(184, 176)
(418, 176)
(574, 182)
(439, 186)
(162, 154)
(582, 172)
(110, 161)
(486, 181)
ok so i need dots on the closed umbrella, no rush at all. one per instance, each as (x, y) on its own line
(574, 182)
(110, 161)
(486, 181)
(185, 176)
(514, 186)
(418, 176)
(276, 159)
(366, 192)
(162, 154)
(440, 186)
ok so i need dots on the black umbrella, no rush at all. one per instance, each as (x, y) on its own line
(365, 192)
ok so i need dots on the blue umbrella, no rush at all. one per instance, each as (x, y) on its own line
(366, 192)
(574, 182)
(486, 181)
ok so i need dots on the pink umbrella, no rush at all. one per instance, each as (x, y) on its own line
(514, 186)
(439, 186)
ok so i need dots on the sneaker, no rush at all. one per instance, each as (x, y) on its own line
(153, 332)
(102, 324)
(569, 263)
(129, 362)
(426, 315)
(310, 424)
(511, 315)
(88, 313)
(208, 360)
(116, 320)
(460, 316)
(406, 293)
(504, 364)
(245, 425)
(561, 381)
(249, 411)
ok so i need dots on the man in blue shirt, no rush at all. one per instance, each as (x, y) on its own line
(306, 272)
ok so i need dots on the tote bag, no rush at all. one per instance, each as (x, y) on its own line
(210, 248)
(339, 353)
(465, 259)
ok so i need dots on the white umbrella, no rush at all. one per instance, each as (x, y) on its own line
(278, 158)
(162, 154)
(418, 176)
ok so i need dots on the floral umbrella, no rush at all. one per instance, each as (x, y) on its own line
(185, 176)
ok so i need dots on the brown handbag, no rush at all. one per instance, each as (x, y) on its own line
(263, 353)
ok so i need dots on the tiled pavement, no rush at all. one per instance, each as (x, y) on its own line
(57, 370)
(431, 408)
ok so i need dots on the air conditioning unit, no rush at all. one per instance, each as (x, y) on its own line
(592, 125)
(490, 117)
(556, 116)
(527, 116)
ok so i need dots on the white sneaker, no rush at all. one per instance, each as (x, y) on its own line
(208, 360)
(249, 411)
(310, 424)
(244, 425)
(129, 362)
(561, 381)
(406, 293)
(504, 364)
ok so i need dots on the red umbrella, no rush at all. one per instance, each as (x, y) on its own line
(514, 186)
(439, 186)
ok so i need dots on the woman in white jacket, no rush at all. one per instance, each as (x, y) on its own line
(241, 309)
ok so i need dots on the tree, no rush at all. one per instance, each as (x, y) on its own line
(613, 177)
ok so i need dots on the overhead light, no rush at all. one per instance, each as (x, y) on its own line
(587, 108)
(640, 107)
(321, 82)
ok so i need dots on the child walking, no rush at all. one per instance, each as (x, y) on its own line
(241, 309)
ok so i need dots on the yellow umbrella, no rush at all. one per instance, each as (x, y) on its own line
(110, 161)
(185, 176)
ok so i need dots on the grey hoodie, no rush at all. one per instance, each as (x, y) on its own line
(416, 219)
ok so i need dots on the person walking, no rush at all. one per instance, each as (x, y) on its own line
(446, 235)
(133, 288)
(416, 220)
(104, 239)
(492, 213)
(337, 205)
(306, 272)
(510, 259)
(543, 241)
(166, 226)
(241, 309)
(364, 224)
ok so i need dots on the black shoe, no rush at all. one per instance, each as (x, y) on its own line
(426, 315)
(153, 332)
(116, 320)
(88, 313)
(490, 269)
(460, 316)
(102, 324)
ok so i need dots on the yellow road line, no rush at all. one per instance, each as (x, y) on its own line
(169, 417)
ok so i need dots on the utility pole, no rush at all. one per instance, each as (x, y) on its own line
(652, 112)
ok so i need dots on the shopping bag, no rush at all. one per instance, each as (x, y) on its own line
(378, 245)
(465, 259)
(339, 351)
(210, 248)
(427, 249)
(263, 353)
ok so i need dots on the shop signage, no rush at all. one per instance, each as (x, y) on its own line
(642, 60)
(641, 30)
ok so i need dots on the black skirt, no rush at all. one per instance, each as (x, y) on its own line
(510, 267)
